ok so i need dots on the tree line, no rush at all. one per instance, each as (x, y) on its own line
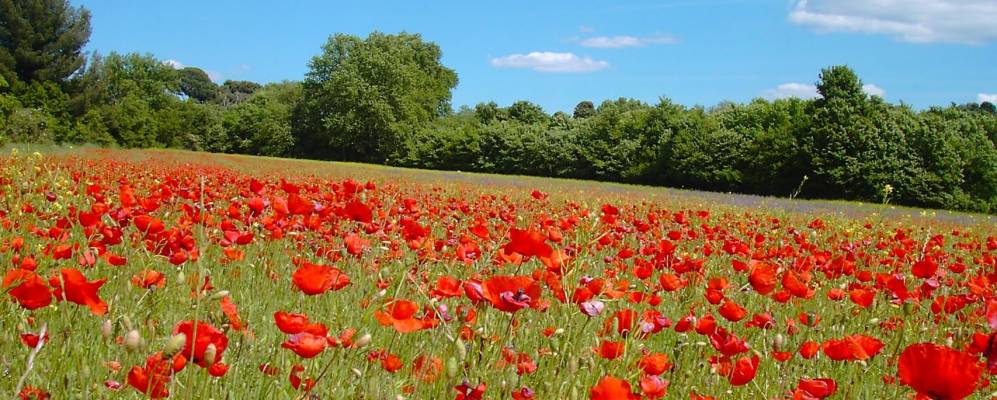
(386, 99)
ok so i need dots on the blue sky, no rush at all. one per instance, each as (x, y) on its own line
(556, 53)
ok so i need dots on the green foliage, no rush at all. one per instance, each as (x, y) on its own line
(235, 92)
(362, 95)
(584, 109)
(41, 40)
(195, 84)
(262, 125)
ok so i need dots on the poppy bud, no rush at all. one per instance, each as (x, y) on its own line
(778, 342)
(210, 353)
(363, 341)
(948, 341)
(908, 308)
(381, 293)
(559, 331)
(357, 372)
(573, 365)
(175, 343)
(452, 367)
(461, 349)
(133, 341)
(128, 322)
(221, 294)
(106, 329)
(874, 321)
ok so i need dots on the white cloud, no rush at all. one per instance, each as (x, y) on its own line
(916, 21)
(808, 91)
(873, 90)
(792, 89)
(615, 42)
(546, 61)
(991, 97)
(174, 64)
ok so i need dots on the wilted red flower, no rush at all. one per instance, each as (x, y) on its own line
(939, 372)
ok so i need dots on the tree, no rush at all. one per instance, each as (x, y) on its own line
(235, 92)
(528, 113)
(988, 107)
(41, 40)
(362, 96)
(584, 109)
(195, 84)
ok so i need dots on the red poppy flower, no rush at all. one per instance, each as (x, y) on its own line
(744, 371)
(400, 315)
(427, 368)
(305, 345)
(466, 392)
(511, 293)
(852, 347)
(78, 290)
(653, 386)
(654, 363)
(762, 276)
(30, 291)
(314, 279)
(154, 378)
(612, 388)
(733, 312)
(814, 389)
(939, 372)
(149, 279)
(610, 350)
(31, 339)
(528, 243)
(195, 347)
(232, 313)
(358, 211)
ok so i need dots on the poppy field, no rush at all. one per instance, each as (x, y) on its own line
(163, 274)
